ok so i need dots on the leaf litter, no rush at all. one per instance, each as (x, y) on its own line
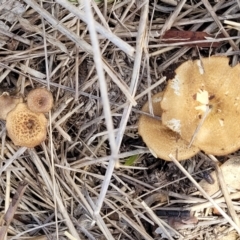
(102, 65)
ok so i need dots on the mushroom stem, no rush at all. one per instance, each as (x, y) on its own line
(208, 110)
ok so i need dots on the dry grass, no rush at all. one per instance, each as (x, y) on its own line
(102, 62)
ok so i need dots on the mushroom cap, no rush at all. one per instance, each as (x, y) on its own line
(7, 104)
(26, 128)
(231, 175)
(199, 85)
(40, 100)
(160, 140)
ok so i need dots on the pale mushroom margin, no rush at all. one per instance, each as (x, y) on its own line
(161, 140)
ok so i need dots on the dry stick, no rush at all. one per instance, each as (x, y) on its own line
(136, 227)
(87, 161)
(14, 36)
(50, 126)
(16, 155)
(140, 95)
(178, 44)
(204, 193)
(156, 219)
(208, 204)
(199, 126)
(232, 24)
(7, 206)
(137, 64)
(215, 17)
(38, 163)
(70, 237)
(204, 20)
(79, 42)
(12, 208)
(238, 1)
(99, 28)
(77, 67)
(42, 12)
(169, 22)
(136, 68)
(107, 114)
(134, 80)
(175, 3)
(225, 191)
(30, 230)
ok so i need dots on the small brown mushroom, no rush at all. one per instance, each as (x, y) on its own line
(7, 104)
(40, 100)
(202, 104)
(160, 140)
(26, 128)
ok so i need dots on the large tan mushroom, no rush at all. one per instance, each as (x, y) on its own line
(26, 128)
(40, 100)
(7, 104)
(202, 104)
(161, 140)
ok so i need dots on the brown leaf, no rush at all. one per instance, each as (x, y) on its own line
(176, 36)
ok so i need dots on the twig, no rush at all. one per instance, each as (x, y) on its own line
(169, 22)
(208, 204)
(12, 209)
(108, 117)
(205, 194)
(79, 42)
(136, 68)
(199, 126)
(99, 28)
(225, 191)
(215, 17)
(156, 219)
(16, 155)
(38, 163)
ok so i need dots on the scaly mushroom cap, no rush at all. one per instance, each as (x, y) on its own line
(26, 128)
(202, 104)
(7, 104)
(40, 100)
(160, 140)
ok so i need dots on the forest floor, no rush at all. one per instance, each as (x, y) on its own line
(94, 177)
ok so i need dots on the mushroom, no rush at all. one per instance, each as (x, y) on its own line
(40, 100)
(202, 104)
(7, 103)
(160, 140)
(231, 174)
(26, 128)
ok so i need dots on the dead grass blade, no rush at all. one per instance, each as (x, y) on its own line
(228, 200)
(8, 216)
(169, 22)
(215, 17)
(49, 185)
(233, 224)
(99, 28)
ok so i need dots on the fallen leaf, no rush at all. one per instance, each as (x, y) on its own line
(177, 36)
